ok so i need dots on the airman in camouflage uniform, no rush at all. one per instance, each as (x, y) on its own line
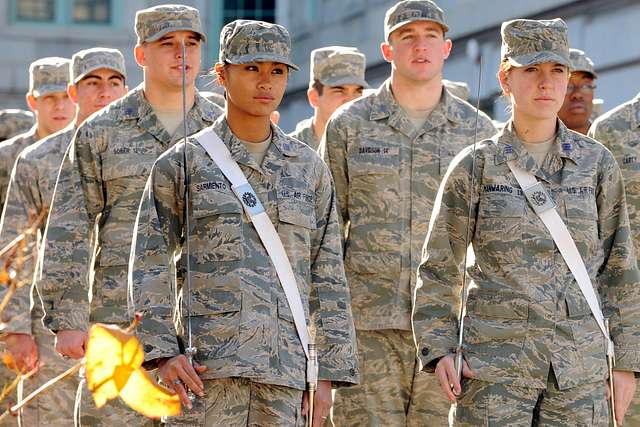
(535, 350)
(387, 169)
(14, 122)
(619, 131)
(47, 96)
(102, 179)
(242, 324)
(577, 110)
(337, 77)
(30, 191)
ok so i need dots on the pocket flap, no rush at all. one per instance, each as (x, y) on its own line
(498, 305)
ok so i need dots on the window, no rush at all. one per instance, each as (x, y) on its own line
(64, 12)
(263, 10)
(35, 10)
(91, 11)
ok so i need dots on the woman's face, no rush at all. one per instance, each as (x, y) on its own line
(255, 89)
(536, 91)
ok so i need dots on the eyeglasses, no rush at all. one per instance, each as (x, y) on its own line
(585, 88)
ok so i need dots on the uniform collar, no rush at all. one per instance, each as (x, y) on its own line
(509, 147)
(385, 106)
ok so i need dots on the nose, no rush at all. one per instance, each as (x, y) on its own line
(265, 81)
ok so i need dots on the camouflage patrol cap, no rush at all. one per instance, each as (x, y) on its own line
(408, 11)
(14, 122)
(89, 60)
(243, 41)
(581, 62)
(338, 65)
(49, 75)
(529, 42)
(157, 21)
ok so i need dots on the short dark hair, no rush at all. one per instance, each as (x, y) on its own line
(319, 87)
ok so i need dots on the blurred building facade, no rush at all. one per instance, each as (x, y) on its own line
(606, 29)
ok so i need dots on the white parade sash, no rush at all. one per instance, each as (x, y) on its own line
(220, 154)
(545, 208)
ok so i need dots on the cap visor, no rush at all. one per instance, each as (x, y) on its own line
(537, 58)
(48, 89)
(166, 31)
(339, 81)
(409, 21)
(246, 59)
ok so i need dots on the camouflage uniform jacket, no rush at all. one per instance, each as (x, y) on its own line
(387, 174)
(526, 312)
(304, 132)
(619, 131)
(100, 184)
(9, 151)
(30, 191)
(242, 323)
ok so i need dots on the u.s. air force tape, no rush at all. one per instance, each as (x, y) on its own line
(539, 199)
(249, 199)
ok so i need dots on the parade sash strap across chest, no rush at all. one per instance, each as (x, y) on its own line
(220, 154)
(545, 208)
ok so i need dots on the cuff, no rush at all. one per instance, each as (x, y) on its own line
(627, 359)
(18, 324)
(61, 320)
(339, 377)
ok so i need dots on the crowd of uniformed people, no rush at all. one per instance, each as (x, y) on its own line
(427, 265)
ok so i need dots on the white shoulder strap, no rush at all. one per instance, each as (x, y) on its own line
(220, 154)
(545, 208)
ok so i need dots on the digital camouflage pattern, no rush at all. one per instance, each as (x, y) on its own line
(49, 75)
(100, 183)
(387, 174)
(619, 131)
(526, 314)
(215, 97)
(14, 122)
(242, 402)
(9, 151)
(529, 41)
(304, 132)
(581, 62)
(89, 60)
(153, 23)
(407, 11)
(243, 41)
(487, 404)
(338, 65)
(242, 324)
(459, 89)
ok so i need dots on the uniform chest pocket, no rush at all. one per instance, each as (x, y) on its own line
(116, 166)
(217, 230)
(374, 184)
(498, 233)
(297, 206)
(581, 214)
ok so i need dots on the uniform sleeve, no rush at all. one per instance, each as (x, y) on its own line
(329, 300)
(486, 128)
(599, 132)
(333, 148)
(437, 295)
(21, 210)
(619, 278)
(154, 248)
(69, 245)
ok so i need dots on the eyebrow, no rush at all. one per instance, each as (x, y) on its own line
(94, 76)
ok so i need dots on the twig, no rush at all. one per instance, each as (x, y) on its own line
(15, 408)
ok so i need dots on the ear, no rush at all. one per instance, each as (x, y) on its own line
(218, 69)
(31, 102)
(138, 53)
(72, 91)
(446, 48)
(126, 89)
(313, 97)
(503, 79)
(387, 51)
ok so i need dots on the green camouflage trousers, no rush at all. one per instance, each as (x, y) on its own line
(231, 402)
(392, 392)
(500, 405)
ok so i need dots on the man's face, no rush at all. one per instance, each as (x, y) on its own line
(53, 111)
(334, 96)
(578, 102)
(98, 89)
(162, 59)
(417, 51)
